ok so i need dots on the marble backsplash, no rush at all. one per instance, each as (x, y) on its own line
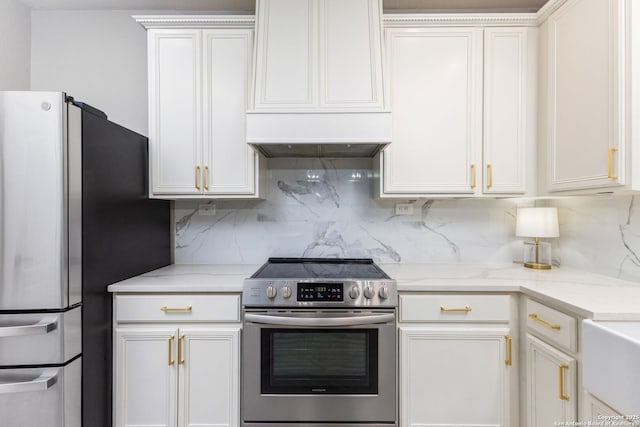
(325, 208)
(600, 235)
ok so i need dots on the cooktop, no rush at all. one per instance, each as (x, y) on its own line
(320, 268)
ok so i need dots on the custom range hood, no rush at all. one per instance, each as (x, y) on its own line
(318, 89)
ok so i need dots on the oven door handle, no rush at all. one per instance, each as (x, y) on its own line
(319, 321)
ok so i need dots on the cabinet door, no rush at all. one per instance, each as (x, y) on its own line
(209, 377)
(509, 108)
(145, 377)
(436, 99)
(175, 142)
(230, 163)
(551, 385)
(586, 95)
(454, 377)
(597, 411)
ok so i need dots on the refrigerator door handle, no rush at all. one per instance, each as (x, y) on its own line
(44, 326)
(48, 378)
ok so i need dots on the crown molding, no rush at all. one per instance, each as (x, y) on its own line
(548, 8)
(390, 20)
(460, 20)
(195, 21)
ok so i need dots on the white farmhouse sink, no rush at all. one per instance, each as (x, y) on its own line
(611, 355)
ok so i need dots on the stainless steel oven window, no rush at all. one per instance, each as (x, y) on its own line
(319, 361)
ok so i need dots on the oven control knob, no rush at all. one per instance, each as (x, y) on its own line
(368, 292)
(271, 292)
(354, 292)
(286, 291)
(383, 292)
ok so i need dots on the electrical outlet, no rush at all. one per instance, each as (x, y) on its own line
(404, 209)
(209, 210)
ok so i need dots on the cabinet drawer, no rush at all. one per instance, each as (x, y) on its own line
(177, 308)
(454, 308)
(557, 327)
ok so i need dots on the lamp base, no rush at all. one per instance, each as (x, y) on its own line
(537, 266)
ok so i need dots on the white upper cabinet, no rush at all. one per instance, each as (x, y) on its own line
(230, 164)
(199, 91)
(175, 138)
(509, 110)
(436, 99)
(316, 55)
(584, 94)
(463, 102)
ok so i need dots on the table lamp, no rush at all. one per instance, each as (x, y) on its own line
(537, 223)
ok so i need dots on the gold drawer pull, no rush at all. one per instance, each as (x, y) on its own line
(206, 178)
(610, 152)
(167, 309)
(473, 176)
(171, 361)
(197, 177)
(466, 309)
(535, 317)
(509, 360)
(180, 350)
(561, 369)
(489, 176)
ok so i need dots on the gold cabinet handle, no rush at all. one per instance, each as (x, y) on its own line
(610, 152)
(561, 369)
(535, 317)
(206, 178)
(166, 309)
(466, 309)
(180, 350)
(171, 361)
(489, 176)
(509, 360)
(473, 176)
(198, 177)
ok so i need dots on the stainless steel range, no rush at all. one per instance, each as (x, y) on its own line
(319, 344)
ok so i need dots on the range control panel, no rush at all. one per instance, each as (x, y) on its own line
(320, 291)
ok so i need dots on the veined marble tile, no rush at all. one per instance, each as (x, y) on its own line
(325, 208)
(600, 235)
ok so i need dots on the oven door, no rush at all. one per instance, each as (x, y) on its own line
(317, 366)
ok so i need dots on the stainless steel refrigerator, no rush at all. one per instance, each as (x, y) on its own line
(74, 217)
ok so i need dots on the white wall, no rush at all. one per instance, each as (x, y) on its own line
(98, 57)
(15, 42)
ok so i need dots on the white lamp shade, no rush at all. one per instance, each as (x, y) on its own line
(537, 222)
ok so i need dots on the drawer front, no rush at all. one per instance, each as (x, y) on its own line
(454, 308)
(555, 326)
(40, 338)
(177, 308)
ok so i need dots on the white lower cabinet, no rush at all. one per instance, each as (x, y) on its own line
(146, 392)
(455, 371)
(176, 374)
(552, 358)
(597, 411)
(552, 385)
(454, 376)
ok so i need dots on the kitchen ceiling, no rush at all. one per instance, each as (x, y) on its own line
(248, 6)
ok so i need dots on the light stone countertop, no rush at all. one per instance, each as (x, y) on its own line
(585, 294)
